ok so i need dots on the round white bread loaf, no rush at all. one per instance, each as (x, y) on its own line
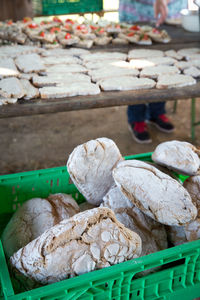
(181, 157)
(152, 233)
(90, 167)
(158, 195)
(88, 241)
(34, 217)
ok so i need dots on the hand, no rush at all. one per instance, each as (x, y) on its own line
(160, 11)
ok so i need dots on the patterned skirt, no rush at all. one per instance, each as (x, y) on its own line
(142, 10)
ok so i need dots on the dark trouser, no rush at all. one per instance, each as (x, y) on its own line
(142, 112)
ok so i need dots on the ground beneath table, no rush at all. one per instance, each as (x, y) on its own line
(45, 141)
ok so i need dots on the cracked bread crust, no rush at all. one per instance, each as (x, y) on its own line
(90, 167)
(181, 157)
(152, 233)
(34, 217)
(158, 195)
(88, 241)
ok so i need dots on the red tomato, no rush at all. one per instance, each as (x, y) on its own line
(32, 25)
(80, 27)
(69, 21)
(101, 30)
(68, 36)
(56, 19)
(55, 30)
(68, 27)
(44, 22)
(93, 27)
(42, 34)
(9, 22)
(156, 31)
(131, 34)
(27, 19)
(135, 27)
(145, 37)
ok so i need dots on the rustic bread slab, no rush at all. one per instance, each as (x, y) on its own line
(70, 68)
(101, 41)
(54, 79)
(158, 195)
(30, 63)
(88, 241)
(192, 71)
(181, 157)
(34, 217)
(53, 60)
(177, 80)
(63, 52)
(74, 89)
(119, 41)
(103, 56)
(173, 54)
(11, 88)
(124, 83)
(152, 233)
(154, 72)
(183, 65)
(98, 64)
(4, 100)
(8, 68)
(90, 167)
(30, 91)
(144, 53)
(188, 51)
(109, 72)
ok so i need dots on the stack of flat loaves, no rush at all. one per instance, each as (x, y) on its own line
(132, 208)
(28, 72)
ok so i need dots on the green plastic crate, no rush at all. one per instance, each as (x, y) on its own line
(178, 279)
(61, 7)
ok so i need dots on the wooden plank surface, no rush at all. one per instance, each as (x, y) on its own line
(106, 99)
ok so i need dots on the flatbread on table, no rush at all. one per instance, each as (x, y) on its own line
(74, 89)
(154, 72)
(53, 79)
(11, 88)
(30, 63)
(144, 53)
(124, 83)
(177, 80)
(109, 72)
(8, 68)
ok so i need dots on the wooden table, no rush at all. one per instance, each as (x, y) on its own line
(180, 39)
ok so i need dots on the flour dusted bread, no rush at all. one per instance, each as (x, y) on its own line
(155, 71)
(34, 217)
(152, 233)
(168, 81)
(90, 167)
(181, 157)
(158, 195)
(88, 241)
(124, 83)
(144, 53)
(192, 185)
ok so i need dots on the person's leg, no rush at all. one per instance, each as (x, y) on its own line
(136, 119)
(158, 118)
(156, 109)
(136, 113)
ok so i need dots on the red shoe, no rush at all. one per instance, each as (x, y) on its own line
(139, 132)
